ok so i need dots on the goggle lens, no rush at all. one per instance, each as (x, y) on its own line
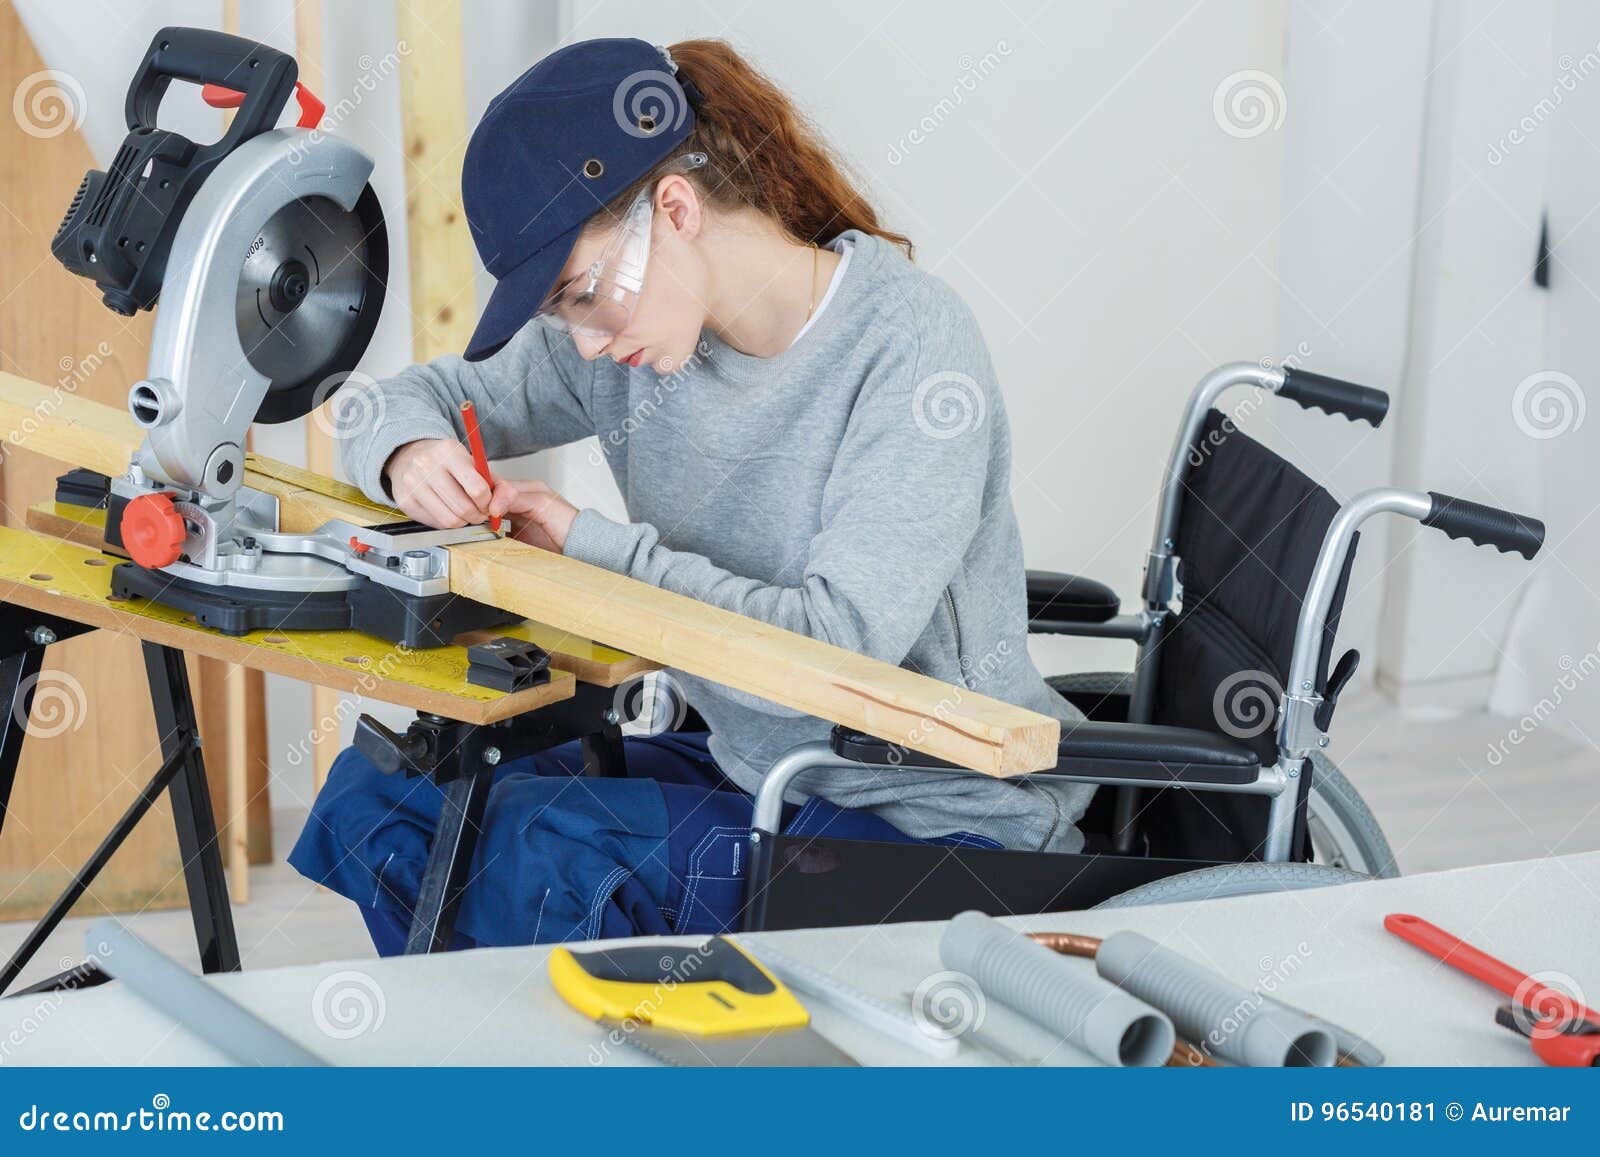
(600, 303)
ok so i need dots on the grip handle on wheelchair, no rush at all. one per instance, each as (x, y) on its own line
(1485, 525)
(1358, 403)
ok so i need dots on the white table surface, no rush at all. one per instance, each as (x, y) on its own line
(1324, 951)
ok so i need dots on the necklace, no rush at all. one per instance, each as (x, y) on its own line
(811, 306)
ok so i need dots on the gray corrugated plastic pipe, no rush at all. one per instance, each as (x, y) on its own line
(1109, 1024)
(1221, 1017)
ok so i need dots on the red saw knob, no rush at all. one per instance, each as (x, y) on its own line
(152, 530)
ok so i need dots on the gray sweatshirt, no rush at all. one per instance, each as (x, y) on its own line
(854, 488)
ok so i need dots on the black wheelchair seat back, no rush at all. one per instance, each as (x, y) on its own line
(1249, 533)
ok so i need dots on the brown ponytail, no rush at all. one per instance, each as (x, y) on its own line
(762, 153)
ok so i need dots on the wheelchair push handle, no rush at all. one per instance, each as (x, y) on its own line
(1485, 525)
(1358, 403)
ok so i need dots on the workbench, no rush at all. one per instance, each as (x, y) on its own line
(1323, 950)
(55, 579)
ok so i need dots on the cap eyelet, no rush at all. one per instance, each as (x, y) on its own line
(593, 168)
(647, 123)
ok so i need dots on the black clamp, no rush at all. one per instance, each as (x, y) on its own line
(507, 664)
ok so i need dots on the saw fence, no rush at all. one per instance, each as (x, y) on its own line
(587, 602)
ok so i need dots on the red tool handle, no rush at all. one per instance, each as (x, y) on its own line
(479, 459)
(1540, 999)
(311, 109)
(1575, 1044)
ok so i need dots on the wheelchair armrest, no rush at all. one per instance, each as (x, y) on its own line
(1068, 598)
(1155, 752)
(1145, 751)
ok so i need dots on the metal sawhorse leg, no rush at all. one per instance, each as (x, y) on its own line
(24, 635)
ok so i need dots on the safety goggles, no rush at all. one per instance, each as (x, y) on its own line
(600, 301)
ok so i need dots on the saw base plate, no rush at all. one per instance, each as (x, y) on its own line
(412, 621)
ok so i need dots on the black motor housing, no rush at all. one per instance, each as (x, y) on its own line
(118, 230)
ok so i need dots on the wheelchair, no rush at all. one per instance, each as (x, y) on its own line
(1212, 749)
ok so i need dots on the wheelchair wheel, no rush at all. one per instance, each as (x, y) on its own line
(1343, 831)
(1233, 880)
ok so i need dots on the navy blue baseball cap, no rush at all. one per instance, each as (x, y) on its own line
(571, 134)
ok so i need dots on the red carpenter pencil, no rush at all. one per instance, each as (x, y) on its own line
(479, 458)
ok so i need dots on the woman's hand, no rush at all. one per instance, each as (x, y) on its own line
(435, 481)
(539, 516)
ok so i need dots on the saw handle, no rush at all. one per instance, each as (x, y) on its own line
(265, 77)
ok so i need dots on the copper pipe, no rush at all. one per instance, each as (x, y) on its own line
(1186, 1056)
(1067, 943)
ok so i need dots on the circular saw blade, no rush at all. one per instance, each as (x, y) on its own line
(308, 298)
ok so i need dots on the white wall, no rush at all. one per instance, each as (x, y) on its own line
(1552, 649)
(1477, 330)
(1355, 82)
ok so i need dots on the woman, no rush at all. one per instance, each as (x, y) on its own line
(806, 430)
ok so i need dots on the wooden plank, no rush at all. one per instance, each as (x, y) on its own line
(60, 422)
(75, 583)
(433, 116)
(792, 670)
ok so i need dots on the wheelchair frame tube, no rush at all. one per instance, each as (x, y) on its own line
(1297, 729)
(1273, 782)
(1159, 586)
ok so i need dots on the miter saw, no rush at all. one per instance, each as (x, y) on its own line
(269, 255)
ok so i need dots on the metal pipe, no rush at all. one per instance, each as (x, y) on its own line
(197, 1006)
(1330, 565)
(785, 770)
(1272, 781)
(1206, 392)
